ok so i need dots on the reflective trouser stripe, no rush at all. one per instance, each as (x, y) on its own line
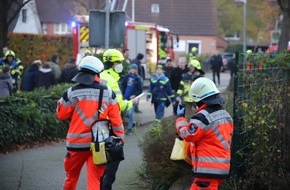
(211, 170)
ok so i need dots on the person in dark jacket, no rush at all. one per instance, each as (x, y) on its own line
(46, 77)
(69, 71)
(137, 61)
(6, 87)
(132, 84)
(176, 77)
(30, 76)
(216, 64)
(168, 68)
(233, 67)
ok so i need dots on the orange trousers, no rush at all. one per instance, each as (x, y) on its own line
(73, 163)
(205, 184)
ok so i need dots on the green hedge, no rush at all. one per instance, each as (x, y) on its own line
(29, 47)
(28, 117)
(261, 156)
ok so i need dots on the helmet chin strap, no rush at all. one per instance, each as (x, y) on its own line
(199, 104)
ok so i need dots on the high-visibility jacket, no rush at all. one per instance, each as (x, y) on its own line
(210, 133)
(185, 84)
(110, 78)
(80, 104)
(15, 70)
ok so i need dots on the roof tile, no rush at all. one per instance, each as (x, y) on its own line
(185, 17)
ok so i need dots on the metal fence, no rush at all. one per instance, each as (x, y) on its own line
(261, 140)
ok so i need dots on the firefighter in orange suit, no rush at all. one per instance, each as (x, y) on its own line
(210, 132)
(80, 104)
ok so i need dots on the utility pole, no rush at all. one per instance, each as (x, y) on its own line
(245, 26)
(107, 25)
(133, 10)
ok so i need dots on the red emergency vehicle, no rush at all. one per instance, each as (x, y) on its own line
(153, 41)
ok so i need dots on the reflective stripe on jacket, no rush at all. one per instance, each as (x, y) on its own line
(210, 132)
(15, 70)
(80, 104)
(110, 78)
(160, 89)
(185, 84)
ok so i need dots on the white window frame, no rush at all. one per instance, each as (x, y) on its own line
(62, 28)
(155, 8)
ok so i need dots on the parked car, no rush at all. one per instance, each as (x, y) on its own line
(226, 59)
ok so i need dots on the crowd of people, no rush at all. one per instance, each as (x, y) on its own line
(118, 80)
(36, 75)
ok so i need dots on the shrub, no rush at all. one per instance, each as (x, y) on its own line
(29, 117)
(159, 140)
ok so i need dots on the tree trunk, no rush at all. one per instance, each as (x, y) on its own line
(285, 30)
(4, 24)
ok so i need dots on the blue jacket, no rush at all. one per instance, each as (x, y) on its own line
(131, 85)
(160, 89)
(29, 78)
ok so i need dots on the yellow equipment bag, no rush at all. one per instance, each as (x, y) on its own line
(180, 151)
(99, 153)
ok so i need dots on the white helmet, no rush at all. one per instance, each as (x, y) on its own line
(203, 88)
(91, 63)
(89, 67)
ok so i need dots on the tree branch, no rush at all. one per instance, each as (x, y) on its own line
(17, 12)
(282, 4)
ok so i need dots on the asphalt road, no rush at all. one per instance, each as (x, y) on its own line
(41, 168)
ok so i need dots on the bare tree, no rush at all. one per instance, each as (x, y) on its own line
(9, 11)
(285, 30)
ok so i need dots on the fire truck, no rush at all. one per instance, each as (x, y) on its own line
(153, 41)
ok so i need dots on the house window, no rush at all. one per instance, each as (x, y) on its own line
(24, 15)
(155, 8)
(44, 29)
(191, 44)
(235, 36)
(62, 28)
